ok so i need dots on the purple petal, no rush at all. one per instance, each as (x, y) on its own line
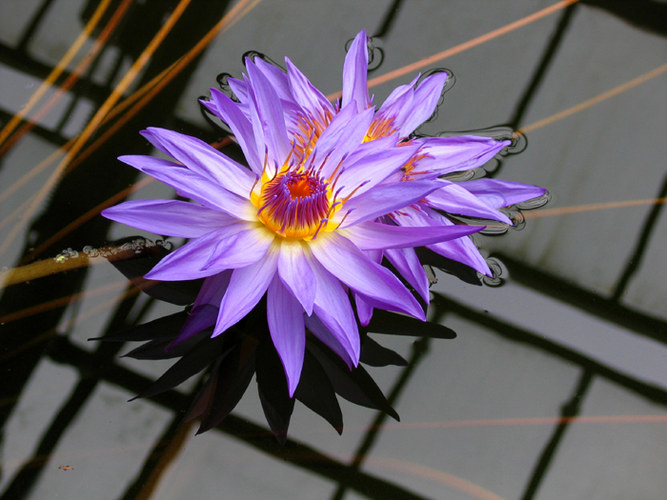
(320, 331)
(379, 236)
(406, 262)
(355, 73)
(424, 102)
(186, 263)
(453, 154)
(304, 93)
(246, 288)
(461, 249)
(498, 193)
(398, 101)
(205, 309)
(240, 249)
(384, 199)
(202, 159)
(377, 284)
(286, 324)
(455, 199)
(364, 310)
(192, 185)
(241, 128)
(343, 135)
(332, 306)
(270, 113)
(168, 217)
(371, 169)
(276, 77)
(296, 273)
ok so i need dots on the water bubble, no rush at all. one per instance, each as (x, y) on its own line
(497, 271)
(535, 202)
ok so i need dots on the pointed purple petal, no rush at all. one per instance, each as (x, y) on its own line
(186, 263)
(270, 113)
(384, 199)
(425, 99)
(452, 154)
(168, 217)
(406, 262)
(332, 306)
(304, 93)
(343, 135)
(454, 199)
(372, 169)
(317, 327)
(201, 158)
(498, 193)
(461, 249)
(355, 73)
(379, 236)
(296, 274)
(205, 309)
(192, 185)
(377, 284)
(240, 249)
(241, 127)
(364, 310)
(246, 288)
(286, 324)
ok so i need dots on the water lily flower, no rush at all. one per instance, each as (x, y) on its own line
(299, 226)
(393, 126)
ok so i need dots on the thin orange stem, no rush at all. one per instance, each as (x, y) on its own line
(57, 71)
(73, 77)
(427, 61)
(116, 94)
(593, 100)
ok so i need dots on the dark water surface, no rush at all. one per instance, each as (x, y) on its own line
(556, 385)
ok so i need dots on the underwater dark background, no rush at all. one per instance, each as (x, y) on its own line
(556, 384)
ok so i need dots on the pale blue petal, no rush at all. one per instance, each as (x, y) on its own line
(355, 73)
(168, 217)
(246, 288)
(296, 273)
(499, 193)
(377, 284)
(286, 324)
(455, 199)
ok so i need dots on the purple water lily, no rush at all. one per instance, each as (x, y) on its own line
(391, 126)
(286, 227)
(329, 191)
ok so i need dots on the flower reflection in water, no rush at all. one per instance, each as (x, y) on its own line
(328, 193)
